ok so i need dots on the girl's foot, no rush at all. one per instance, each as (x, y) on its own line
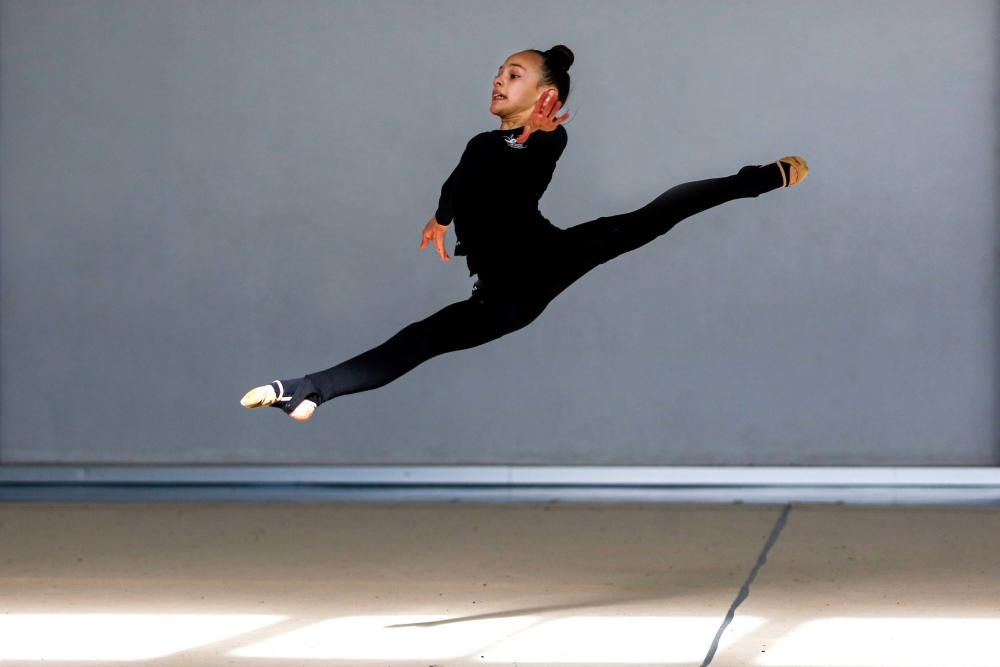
(304, 411)
(794, 170)
(785, 172)
(297, 397)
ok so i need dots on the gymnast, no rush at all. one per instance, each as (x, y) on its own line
(492, 198)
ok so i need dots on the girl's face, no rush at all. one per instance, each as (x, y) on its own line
(517, 81)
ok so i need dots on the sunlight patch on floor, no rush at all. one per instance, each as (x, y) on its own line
(888, 642)
(624, 638)
(111, 637)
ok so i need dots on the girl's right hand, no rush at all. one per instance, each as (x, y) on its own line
(435, 232)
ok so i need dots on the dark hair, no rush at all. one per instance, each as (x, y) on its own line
(555, 68)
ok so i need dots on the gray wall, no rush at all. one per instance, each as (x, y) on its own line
(197, 197)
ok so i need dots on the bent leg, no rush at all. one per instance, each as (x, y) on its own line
(457, 326)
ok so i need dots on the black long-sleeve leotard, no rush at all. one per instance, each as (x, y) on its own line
(492, 196)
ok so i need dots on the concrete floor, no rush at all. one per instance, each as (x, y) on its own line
(411, 584)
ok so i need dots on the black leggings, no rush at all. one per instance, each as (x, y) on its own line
(497, 308)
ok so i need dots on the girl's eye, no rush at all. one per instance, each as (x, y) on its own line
(514, 76)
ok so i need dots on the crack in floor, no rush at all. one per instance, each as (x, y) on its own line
(745, 589)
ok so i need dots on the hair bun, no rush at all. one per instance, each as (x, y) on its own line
(560, 56)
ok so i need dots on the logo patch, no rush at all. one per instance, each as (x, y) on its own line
(512, 142)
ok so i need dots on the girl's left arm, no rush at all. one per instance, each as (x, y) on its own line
(543, 118)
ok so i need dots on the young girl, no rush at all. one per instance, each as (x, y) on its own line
(522, 260)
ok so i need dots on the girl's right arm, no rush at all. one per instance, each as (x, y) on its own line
(445, 210)
(437, 226)
(434, 230)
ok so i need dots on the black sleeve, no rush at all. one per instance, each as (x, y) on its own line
(445, 212)
(546, 149)
(554, 141)
(553, 144)
(446, 202)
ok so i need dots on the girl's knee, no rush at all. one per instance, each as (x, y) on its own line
(517, 317)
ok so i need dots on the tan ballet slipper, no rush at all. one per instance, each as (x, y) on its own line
(798, 172)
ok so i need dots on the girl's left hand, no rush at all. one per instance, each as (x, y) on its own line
(543, 118)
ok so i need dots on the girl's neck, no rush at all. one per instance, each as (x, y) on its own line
(514, 123)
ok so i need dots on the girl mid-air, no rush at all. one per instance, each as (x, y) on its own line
(492, 196)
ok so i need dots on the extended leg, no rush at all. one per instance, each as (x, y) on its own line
(597, 241)
(457, 326)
